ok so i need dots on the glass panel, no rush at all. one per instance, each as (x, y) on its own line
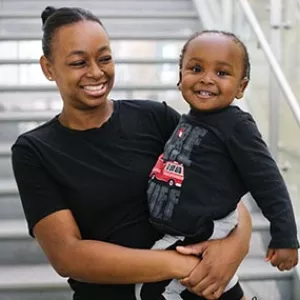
(289, 152)
(258, 98)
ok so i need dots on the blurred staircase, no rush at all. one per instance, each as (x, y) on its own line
(147, 37)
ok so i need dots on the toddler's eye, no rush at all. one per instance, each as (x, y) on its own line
(196, 69)
(222, 73)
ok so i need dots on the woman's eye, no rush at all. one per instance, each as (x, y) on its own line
(78, 63)
(105, 59)
(197, 69)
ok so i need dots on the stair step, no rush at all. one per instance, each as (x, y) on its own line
(139, 61)
(109, 14)
(114, 26)
(5, 149)
(278, 289)
(35, 282)
(10, 203)
(43, 275)
(260, 279)
(30, 277)
(13, 229)
(5, 166)
(17, 247)
(52, 88)
(34, 279)
(39, 294)
(10, 207)
(8, 187)
(153, 5)
(5, 161)
(257, 269)
(135, 36)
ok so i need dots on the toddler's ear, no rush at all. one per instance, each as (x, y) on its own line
(179, 80)
(243, 84)
(179, 85)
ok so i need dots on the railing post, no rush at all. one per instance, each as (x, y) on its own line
(274, 89)
(291, 23)
(205, 14)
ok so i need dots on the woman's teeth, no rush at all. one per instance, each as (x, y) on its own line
(94, 87)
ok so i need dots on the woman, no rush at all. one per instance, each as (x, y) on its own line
(82, 176)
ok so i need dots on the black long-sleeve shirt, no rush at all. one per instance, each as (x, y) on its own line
(208, 164)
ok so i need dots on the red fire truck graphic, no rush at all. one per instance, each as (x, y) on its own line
(169, 171)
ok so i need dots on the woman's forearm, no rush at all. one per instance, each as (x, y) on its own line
(109, 263)
(99, 262)
(102, 262)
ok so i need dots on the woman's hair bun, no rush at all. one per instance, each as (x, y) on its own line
(47, 12)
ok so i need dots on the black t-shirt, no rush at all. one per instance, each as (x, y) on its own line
(100, 174)
(211, 160)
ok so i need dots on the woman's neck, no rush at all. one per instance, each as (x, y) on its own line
(86, 119)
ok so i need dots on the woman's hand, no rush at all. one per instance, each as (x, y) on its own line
(220, 259)
(183, 265)
(220, 262)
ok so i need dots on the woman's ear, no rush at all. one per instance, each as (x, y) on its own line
(46, 66)
(243, 84)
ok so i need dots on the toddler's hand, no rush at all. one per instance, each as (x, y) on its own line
(283, 259)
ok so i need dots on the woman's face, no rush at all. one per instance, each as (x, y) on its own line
(81, 64)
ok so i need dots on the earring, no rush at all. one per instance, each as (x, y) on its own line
(49, 77)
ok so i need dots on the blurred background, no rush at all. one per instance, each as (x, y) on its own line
(147, 37)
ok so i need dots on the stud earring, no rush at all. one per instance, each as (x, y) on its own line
(49, 77)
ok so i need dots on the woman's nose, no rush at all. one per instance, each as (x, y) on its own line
(95, 71)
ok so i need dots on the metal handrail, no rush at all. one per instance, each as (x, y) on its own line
(204, 14)
(282, 81)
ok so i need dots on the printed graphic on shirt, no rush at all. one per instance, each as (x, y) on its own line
(168, 171)
(167, 176)
(181, 143)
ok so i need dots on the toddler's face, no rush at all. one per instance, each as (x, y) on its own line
(212, 71)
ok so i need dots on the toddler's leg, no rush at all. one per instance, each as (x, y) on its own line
(222, 228)
(233, 291)
(168, 289)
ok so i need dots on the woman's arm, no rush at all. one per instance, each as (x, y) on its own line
(100, 262)
(53, 225)
(221, 258)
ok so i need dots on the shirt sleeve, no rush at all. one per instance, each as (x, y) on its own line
(262, 177)
(40, 194)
